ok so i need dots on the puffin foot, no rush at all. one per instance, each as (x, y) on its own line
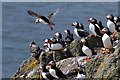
(91, 35)
(105, 51)
(86, 59)
(113, 34)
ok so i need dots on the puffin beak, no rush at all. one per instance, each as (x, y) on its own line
(88, 20)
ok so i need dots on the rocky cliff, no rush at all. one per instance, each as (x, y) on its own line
(104, 66)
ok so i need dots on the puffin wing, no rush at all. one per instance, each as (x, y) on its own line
(34, 14)
(53, 14)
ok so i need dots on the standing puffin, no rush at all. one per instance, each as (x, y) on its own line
(86, 49)
(94, 27)
(54, 71)
(43, 19)
(45, 74)
(80, 74)
(69, 38)
(79, 30)
(117, 22)
(111, 24)
(107, 41)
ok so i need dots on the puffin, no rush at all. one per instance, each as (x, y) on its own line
(111, 24)
(86, 49)
(54, 71)
(46, 42)
(94, 28)
(33, 48)
(107, 41)
(69, 36)
(54, 46)
(43, 19)
(58, 39)
(79, 30)
(117, 22)
(80, 74)
(45, 74)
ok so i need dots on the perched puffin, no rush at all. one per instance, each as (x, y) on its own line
(117, 22)
(46, 42)
(58, 38)
(94, 28)
(107, 41)
(43, 19)
(54, 46)
(69, 38)
(54, 71)
(80, 74)
(45, 74)
(33, 47)
(79, 30)
(111, 24)
(86, 49)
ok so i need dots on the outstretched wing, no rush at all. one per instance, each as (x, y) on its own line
(31, 13)
(53, 14)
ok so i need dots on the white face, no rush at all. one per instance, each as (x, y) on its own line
(56, 34)
(74, 23)
(65, 31)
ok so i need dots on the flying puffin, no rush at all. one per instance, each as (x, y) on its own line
(43, 19)
(94, 28)
(54, 71)
(79, 30)
(107, 41)
(117, 22)
(69, 38)
(111, 24)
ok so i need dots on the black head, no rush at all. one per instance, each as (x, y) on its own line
(32, 43)
(106, 30)
(110, 17)
(92, 20)
(52, 64)
(58, 35)
(66, 31)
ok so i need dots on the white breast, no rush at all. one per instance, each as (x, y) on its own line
(111, 26)
(92, 29)
(42, 21)
(80, 76)
(53, 73)
(106, 41)
(76, 33)
(56, 46)
(44, 75)
(87, 51)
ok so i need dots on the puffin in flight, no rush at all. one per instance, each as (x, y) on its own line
(43, 19)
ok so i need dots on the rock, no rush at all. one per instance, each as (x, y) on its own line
(75, 48)
(46, 57)
(106, 66)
